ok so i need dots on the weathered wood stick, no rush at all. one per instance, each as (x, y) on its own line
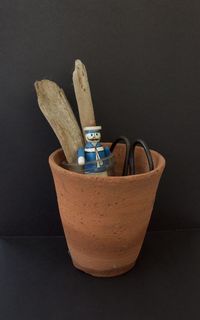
(57, 110)
(83, 95)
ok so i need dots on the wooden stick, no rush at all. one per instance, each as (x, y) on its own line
(57, 110)
(83, 95)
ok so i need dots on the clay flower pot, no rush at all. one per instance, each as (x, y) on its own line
(105, 218)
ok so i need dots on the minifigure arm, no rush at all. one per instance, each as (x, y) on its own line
(107, 151)
(81, 156)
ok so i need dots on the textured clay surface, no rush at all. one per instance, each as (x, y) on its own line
(105, 218)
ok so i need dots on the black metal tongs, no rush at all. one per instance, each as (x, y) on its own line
(129, 162)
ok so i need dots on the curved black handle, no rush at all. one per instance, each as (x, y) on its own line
(128, 151)
(147, 152)
(129, 163)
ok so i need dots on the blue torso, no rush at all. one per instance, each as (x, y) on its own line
(94, 153)
(91, 156)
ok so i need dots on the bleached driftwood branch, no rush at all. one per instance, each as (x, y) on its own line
(57, 110)
(83, 95)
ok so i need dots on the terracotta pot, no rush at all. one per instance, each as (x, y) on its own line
(105, 218)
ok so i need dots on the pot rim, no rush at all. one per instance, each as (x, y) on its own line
(159, 168)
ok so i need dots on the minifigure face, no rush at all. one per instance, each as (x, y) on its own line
(93, 136)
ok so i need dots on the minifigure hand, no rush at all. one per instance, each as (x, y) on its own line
(81, 161)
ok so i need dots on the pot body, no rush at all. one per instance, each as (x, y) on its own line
(105, 218)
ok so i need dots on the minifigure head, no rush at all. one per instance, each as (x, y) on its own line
(92, 134)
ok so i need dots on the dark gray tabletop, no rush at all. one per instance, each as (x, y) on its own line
(38, 281)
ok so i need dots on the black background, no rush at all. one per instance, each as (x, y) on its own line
(143, 63)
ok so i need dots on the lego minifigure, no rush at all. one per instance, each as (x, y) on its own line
(92, 154)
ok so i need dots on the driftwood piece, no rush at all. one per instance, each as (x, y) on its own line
(83, 95)
(57, 110)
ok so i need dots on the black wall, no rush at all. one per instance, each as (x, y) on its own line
(143, 60)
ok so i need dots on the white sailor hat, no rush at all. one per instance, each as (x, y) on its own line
(92, 129)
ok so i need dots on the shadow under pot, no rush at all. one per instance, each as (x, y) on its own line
(105, 218)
